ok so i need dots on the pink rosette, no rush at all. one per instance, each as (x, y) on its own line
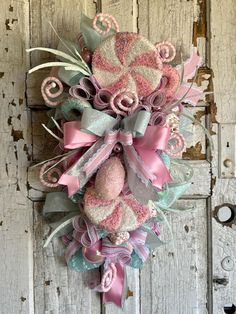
(108, 277)
(166, 51)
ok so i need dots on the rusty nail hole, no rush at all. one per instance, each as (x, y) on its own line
(229, 309)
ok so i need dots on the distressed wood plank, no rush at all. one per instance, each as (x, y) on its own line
(175, 279)
(58, 289)
(169, 20)
(167, 287)
(224, 278)
(224, 68)
(223, 58)
(15, 211)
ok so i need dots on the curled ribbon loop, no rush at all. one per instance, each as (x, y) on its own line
(84, 231)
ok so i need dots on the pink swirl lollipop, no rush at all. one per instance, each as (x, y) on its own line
(51, 178)
(51, 89)
(127, 60)
(124, 102)
(166, 51)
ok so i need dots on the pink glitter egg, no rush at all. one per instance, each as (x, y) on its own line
(127, 60)
(173, 80)
(124, 213)
(110, 179)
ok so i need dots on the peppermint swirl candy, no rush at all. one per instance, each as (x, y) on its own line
(107, 20)
(51, 90)
(166, 51)
(51, 177)
(124, 102)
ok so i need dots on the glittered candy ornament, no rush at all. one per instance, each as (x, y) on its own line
(127, 60)
(124, 213)
(110, 179)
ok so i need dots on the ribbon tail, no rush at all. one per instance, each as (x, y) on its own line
(99, 157)
(137, 164)
(72, 182)
(160, 173)
(116, 293)
(190, 65)
(193, 95)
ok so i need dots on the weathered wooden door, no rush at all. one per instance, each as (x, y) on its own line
(197, 274)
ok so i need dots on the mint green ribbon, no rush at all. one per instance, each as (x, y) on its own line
(56, 203)
(97, 122)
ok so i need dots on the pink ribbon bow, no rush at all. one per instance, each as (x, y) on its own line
(140, 153)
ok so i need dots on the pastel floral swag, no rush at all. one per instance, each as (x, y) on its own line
(117, 111)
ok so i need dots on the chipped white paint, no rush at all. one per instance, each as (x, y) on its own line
(16, 254)
(224, 67)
